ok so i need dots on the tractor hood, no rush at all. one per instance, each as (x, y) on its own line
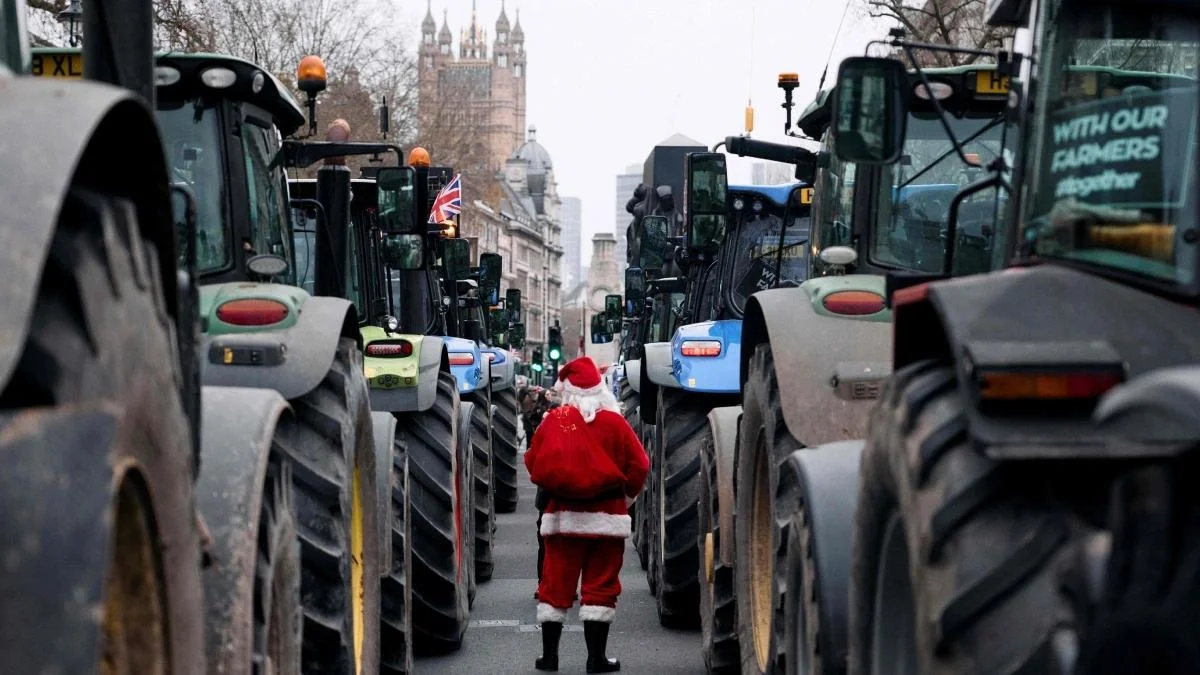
(240, 307)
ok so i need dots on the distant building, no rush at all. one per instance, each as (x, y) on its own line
(572, 240)
(626, 182)
(487, 90)
(771, 173)
(586, 300)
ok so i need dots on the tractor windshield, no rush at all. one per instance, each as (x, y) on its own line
(912, 232)
(756, 257)
(191, 136)
(1114, 144)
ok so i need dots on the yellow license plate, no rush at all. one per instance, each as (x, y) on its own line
(58, 65)
(990, 82)
(806, 195)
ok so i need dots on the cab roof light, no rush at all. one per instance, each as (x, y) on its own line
(311, 75)
(1017, 385)
(700, 348)
(418, 156)
(854, 303)
(789, 79)
(252, 312)
(218, 77)
(461, 358)
(389, 349)
(165, 76)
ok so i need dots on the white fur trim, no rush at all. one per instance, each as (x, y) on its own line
(597, 613)
(568, 388)
(551, 613)
(579, 522)
(591, 401)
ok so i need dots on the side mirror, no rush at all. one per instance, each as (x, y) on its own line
(397, 198)
(512, 303)
(612, 308)
(404, 251)
(635, 284)
(457, 258)
(806, 165)
(705, 193)
(491, 266)
(600, 334)
(654, 246)
(665, 285)
(869, 110)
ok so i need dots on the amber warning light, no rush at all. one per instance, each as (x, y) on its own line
(418, 157)
(310, 74)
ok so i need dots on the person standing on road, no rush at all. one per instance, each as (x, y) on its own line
(591, 464)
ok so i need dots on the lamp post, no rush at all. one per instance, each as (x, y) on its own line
(72, 19)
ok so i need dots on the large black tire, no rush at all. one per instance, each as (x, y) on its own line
(764, 507)
(718, 609)
(100, 331)
(647, 539)
(483, 498)
(628, 401)
(968, 550)
(506, 448)
(681, 430)
(802, 644)
(332, 432)
(441, 570)
(396, 634)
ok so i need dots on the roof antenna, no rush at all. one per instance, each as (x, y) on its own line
(750, 77)
(831, 47)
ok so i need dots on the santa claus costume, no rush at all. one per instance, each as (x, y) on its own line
(591, 463)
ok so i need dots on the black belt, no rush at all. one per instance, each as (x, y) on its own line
(615, 493)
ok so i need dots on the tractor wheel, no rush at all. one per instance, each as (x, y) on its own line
(100, 331)
(629, 400)
(483, 497)
(764, 507)
(718, 610)
(340, 577)
(645, 506)
(681, 430)
(506, 447)
(950, 548)
(440, 571)
(465, 498)
(396, 634)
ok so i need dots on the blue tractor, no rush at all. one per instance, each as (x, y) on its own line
(761, 242)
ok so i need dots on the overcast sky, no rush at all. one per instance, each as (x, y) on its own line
(610, 78)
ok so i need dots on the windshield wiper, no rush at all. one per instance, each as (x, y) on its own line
(952, 150)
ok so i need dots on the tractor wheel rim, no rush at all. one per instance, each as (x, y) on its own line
(358, 581)
(135, 638)
(762, 559)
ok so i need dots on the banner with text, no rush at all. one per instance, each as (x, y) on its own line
(1131, 151)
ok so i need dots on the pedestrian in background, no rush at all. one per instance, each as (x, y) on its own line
(591, 465)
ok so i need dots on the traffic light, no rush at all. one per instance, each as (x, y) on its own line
(536, 363)
(555, 344)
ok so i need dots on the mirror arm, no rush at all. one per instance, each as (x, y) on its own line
(936, 104)
(952, 221)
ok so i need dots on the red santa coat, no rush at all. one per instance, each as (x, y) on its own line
(605, 515)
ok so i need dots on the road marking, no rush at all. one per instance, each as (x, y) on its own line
(536, 628)
(492, 623)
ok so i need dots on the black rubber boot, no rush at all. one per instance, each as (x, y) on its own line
(551, 634)
(595, 634)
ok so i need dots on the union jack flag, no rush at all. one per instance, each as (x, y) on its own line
(448, 202)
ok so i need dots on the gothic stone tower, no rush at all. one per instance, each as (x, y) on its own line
(489, 90)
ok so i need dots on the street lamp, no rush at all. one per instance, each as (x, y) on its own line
(72, 18)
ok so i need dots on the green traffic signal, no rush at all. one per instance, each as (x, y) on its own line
(535, 367)
(555, 344)
(555, 354)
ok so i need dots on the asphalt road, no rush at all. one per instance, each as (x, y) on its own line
(503, 636)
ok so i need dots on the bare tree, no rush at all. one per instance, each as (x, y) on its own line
(179, 24)
(958, 23)
(454, 132)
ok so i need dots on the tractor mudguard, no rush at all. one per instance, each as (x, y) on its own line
(657, 365)
(708, 374)
(432, 356)
(828, 481)
(633, 374)
(830, 368)
(56, 519)
(1043, 316)
(1153, 415)
(291, 361)
(383, 433)
(238, 429)
(63, 134)
(724, 424)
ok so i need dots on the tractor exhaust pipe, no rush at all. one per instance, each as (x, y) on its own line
(118, 44)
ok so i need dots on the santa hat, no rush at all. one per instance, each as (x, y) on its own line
(581, 386)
